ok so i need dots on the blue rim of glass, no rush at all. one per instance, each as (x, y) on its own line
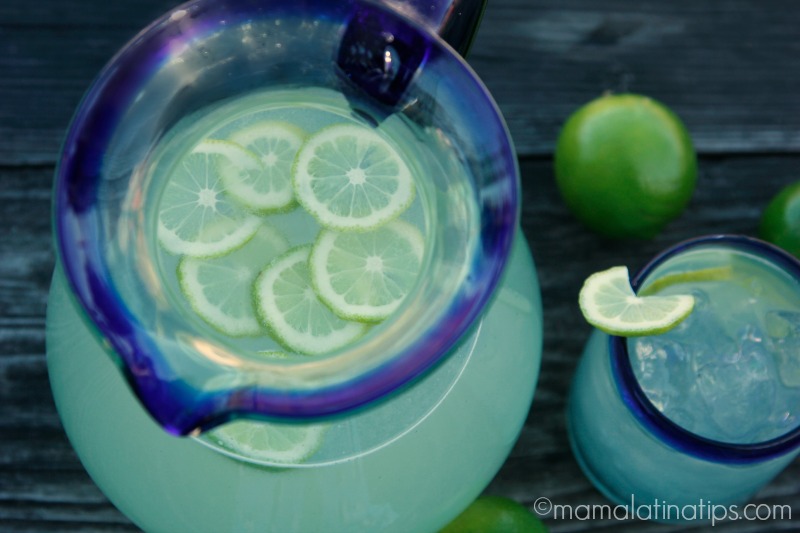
(653, 419)
(175, 404)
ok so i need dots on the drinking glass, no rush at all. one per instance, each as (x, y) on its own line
(669, 437)
(415, 418)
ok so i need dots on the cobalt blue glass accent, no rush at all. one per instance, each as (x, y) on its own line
(655, 421)
(380, 55)
(425, 62)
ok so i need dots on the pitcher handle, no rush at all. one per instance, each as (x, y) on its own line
(380, 53)
(455, 21)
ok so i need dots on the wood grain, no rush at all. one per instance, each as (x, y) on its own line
(731, 70)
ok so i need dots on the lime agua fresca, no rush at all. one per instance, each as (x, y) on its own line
(724, 371)
(274, 272)
(729, 372)
(290, 229)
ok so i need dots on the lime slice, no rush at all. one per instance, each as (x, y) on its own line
(350, 178)
(268, 188)
(720, 273)
(290, 308)
(608, 302)
(267, 442)
(195, 215)
(274, 354)
(220, 289)
(365, 276)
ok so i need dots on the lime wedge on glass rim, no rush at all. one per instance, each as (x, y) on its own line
(220, 289)
(608, 302)
(350, 178)
(290, 308)
(268, 188)
(195, 215)
(365, 276)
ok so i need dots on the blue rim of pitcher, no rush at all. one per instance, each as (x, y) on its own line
(176, 405)
(653, 419)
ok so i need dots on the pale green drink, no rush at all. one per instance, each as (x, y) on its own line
(706, 413)
(306, 112)
(730, 371)
(433, 445)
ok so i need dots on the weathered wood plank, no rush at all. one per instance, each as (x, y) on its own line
(731, 71)
(728, 69)
(83, 13)
(44, 488)
(25, 249)
(51, 51)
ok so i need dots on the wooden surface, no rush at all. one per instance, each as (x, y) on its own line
(730, 69)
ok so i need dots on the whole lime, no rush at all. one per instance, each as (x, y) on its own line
(625, 165)
(780, 222)
(495, 514)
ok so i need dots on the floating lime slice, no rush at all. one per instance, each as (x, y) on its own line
(220, 289)
(268, 442)
(195, 215)
(720, 273)
(350, 178)
(275, 354)
(366, 275)
(290, 308)
(608, 302)
(268, 188)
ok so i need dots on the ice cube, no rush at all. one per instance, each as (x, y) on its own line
(661, 367)
(783, 332)
(683, 417)
(739, 393)
(783, 419)
(703, 334)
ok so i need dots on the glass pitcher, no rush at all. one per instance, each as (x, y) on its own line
(398, 430)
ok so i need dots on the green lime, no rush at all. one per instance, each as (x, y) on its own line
(495, 514)
(780, 222)
(625, 166)
(608, 302)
